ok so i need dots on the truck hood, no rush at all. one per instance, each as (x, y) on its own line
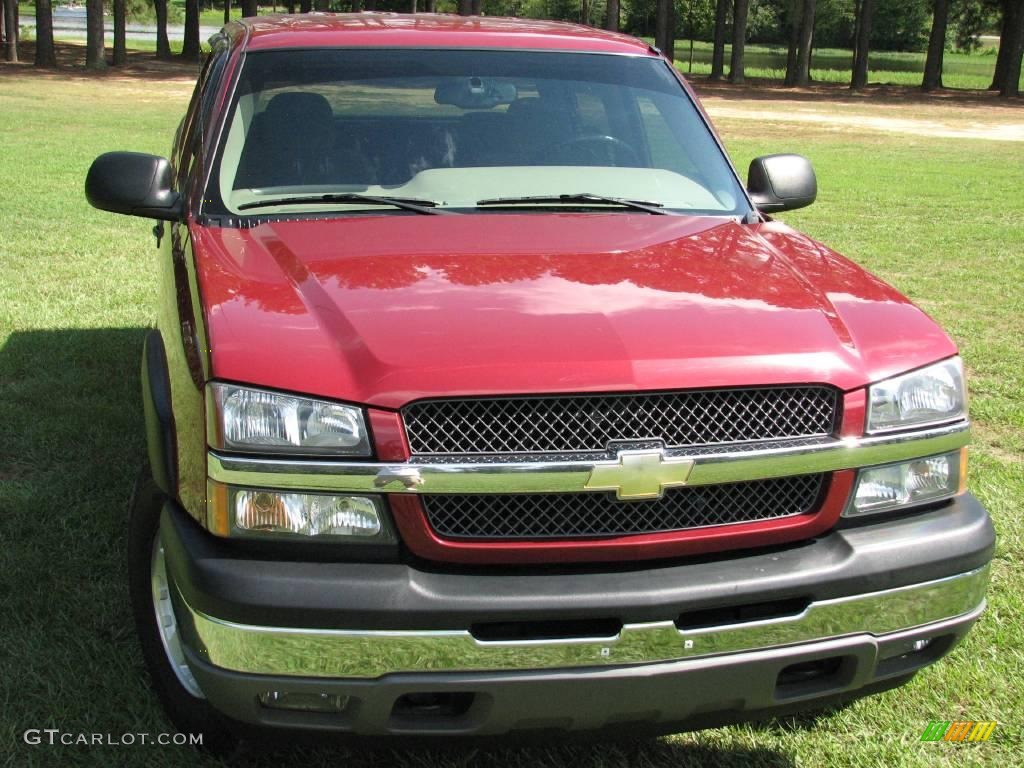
(385, 309)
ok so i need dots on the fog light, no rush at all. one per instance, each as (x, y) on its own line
(306, 514)
(236, 510)
(882, 489)
(303, 702)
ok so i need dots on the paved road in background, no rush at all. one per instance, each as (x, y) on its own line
(69, 24)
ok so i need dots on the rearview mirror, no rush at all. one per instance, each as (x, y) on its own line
(781, 182)
(133, 184)
(475, 93)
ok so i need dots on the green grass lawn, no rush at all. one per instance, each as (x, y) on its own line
(941, 219)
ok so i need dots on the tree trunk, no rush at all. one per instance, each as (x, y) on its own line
(163, 47)
(465, 7)
(863, 45)
(803, 59)
(249, 8)
(371, 5)
(739, 41)
(585, 12)
(94, 58)
(1003, 53)
(120, 46)
(718, 52)
(662, 22)
(936, 46)
(412, 6)
(45, 55)
(474, 7)
(1014, 42)
(10, 30)
(227, 11)
(794, 42)
(305, 6)
(670, 40)
(190, 41)
(611, 16)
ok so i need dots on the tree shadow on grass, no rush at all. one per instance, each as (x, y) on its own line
(71, 442)
(764, 89)
(70, 403)
(141, 65)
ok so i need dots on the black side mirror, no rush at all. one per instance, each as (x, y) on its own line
(781, 182)
(133, 184)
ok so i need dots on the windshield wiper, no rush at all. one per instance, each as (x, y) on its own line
(579, 197)
(405, 203)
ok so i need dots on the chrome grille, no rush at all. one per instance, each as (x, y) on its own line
(575, 515)
(584, 423)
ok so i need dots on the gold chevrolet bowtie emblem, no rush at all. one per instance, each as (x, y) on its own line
(639, 474)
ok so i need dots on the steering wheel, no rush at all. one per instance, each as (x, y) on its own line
(598, 146)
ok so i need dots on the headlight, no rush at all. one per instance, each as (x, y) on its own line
(243, 511)
(897, 486)
(259, 421)
(930, 395)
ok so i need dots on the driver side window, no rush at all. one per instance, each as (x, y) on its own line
(188, 140)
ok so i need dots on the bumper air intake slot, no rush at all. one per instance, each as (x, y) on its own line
(741, 614)
(570, 629)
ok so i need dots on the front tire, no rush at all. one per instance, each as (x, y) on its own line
(157, 628)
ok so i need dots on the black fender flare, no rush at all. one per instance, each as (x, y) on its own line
(156, 405)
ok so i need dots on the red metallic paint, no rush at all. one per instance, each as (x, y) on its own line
(855, 413)
(392, 30)
(385, 309)
(422, 541)
(388, 435)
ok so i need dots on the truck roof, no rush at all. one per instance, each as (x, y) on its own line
(429, 30)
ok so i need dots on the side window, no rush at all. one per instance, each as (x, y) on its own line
(190, 133)
(180, 156)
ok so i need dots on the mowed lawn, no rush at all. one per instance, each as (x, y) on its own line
(941, 219)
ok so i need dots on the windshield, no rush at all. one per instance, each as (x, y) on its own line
(312, 131)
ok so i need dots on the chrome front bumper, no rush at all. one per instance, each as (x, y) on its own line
(882, 601)
(328, 653)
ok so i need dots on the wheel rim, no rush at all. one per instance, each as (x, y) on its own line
(167, 623)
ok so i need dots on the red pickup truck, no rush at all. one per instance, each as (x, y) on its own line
(484, 398)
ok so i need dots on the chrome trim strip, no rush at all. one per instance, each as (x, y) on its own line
(369, 654)
(574, 476)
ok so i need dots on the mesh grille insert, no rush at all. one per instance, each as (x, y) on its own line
(592, 422)
(571, 515)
